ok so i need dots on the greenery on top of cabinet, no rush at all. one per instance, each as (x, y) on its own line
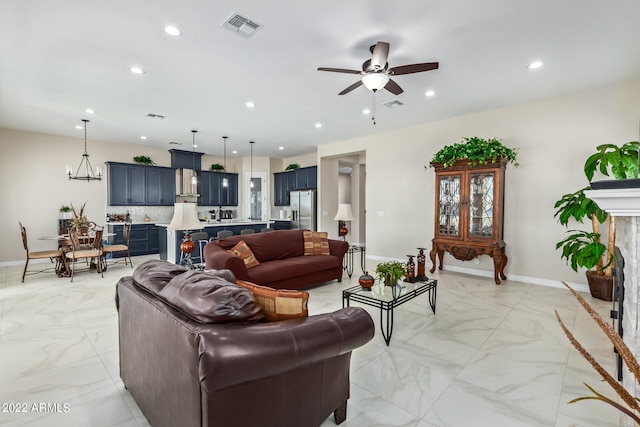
(477, 151)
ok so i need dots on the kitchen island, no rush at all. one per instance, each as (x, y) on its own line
(170, 239)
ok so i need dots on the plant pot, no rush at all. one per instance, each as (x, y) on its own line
(600, 286)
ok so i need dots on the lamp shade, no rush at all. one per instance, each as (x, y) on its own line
(344, 212)
(185, 217)
(375, 81)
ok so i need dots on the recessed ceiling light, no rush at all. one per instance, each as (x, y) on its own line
(318, 125)
(535, 65)
(280, 148)
(366, 111)
(234, 152)
(429, 93)
(250, 104)
(136, 70)
(143, 137)
(90, 111)
(79, 127)
(195, 145)
(172, 31)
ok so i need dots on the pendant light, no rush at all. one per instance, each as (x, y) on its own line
(225, 181)
(251, 170)
(194, 177)
(90, 176)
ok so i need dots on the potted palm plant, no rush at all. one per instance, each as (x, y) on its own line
(584, 249)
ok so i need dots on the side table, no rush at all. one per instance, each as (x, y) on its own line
(348, 258)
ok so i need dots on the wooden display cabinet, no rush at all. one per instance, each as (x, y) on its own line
(469, 212)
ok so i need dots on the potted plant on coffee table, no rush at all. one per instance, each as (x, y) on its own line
(584, 249)
(390, 272)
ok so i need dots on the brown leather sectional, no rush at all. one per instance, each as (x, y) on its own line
(283, 264)
(194, 352)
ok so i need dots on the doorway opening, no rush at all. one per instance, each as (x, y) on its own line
(256, 196)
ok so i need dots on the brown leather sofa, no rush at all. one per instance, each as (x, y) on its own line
(283, 264)
(194, 352)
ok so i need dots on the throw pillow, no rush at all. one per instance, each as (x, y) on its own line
(278, 304)
(316, 243)
(243, 251)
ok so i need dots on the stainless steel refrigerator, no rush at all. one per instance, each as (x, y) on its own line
(303, 210)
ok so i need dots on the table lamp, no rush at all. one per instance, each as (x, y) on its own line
(185, 218)
(344, 214)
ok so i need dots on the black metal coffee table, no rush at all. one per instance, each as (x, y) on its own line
(389, 297)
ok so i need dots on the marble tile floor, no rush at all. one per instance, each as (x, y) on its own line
(491, 356)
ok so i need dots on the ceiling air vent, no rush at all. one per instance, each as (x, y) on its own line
(155, 116)
(393, 104)
(241, 25)
(175, 143)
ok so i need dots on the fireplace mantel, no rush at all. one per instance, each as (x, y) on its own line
(624, 203)
(617, 202)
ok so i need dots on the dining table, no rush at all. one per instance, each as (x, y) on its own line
(64, 242)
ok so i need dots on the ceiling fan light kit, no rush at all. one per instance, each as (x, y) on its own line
(375, 81)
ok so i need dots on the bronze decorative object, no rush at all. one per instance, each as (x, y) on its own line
(411, 270)
(421, 263)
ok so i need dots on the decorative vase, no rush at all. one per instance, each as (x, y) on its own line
(366, 281)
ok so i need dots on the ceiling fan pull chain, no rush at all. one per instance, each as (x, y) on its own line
(373, 107)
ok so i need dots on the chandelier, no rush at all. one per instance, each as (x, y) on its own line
(88, 170)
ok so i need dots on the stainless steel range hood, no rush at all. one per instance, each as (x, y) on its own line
(185, 183)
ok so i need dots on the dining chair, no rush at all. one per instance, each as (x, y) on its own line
(52, 254)
(247, 231)
(120, 247)
(224, 233)
(92, 254)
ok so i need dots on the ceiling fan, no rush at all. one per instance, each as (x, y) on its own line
(376, 73)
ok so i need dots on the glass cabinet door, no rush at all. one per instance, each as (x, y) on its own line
(481, 204)
(449, 205)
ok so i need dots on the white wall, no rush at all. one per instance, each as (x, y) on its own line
(554, 137)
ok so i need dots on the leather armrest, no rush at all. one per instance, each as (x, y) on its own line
(237, 354)
(218, 258)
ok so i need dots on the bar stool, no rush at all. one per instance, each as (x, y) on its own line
(247, 231)
(202, 237)
(224, 233)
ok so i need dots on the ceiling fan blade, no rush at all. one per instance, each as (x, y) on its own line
(352, 87)
(413, 68)
(339, 70)
(393, 87)
(379, 56)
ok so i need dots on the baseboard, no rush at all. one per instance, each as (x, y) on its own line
(483, 273)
